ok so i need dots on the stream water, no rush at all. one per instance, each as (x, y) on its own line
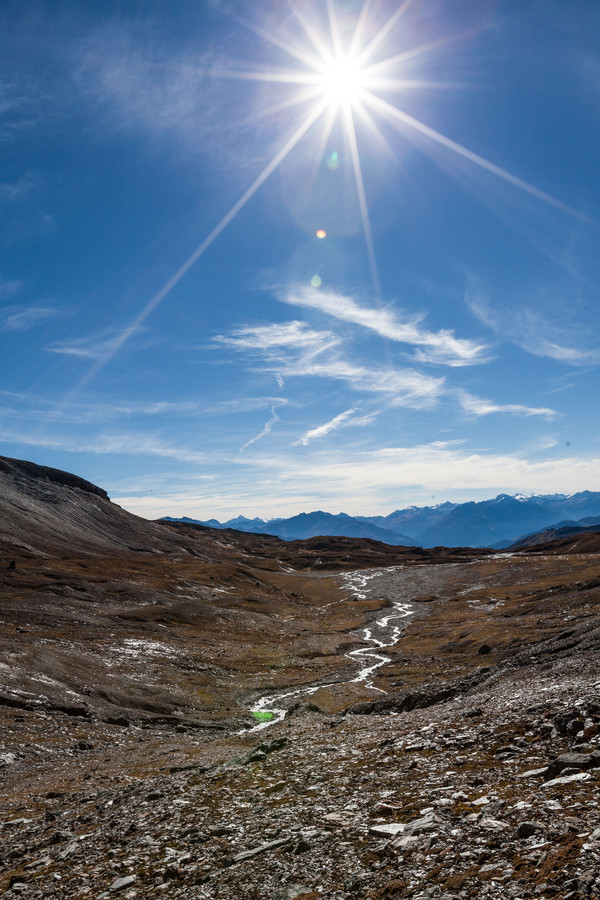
(379, 635)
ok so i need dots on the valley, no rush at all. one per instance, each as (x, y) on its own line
(438, 733)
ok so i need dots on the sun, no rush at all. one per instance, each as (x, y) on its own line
(343, 81)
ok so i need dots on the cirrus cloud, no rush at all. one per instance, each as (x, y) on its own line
(441, 347)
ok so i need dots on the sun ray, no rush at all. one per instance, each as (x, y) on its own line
(397, 114)
(275, 108)
(362, 198)
(370, 123)
(392, 61)
(166, 289)
(359, 28)
(322, 49)
(299, 54)
(330, 117)
(409, 84)
(335, 32)
(384, 31)
(291, 77)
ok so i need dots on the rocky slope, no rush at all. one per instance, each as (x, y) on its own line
(561, 536)
(469, 768)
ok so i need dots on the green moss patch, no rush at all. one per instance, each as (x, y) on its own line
(263, 716)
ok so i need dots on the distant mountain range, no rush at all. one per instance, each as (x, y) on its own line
(307, 525)
(490, 523)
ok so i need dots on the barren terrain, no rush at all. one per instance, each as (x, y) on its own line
(466, 765)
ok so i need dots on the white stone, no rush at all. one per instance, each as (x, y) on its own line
(493, 824)
(390, 830)
(567, 779)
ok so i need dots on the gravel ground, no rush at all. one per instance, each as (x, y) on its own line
(490, 791)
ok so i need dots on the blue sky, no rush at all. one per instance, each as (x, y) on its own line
(174, 329)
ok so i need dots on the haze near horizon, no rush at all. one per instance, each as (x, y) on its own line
(263, 259)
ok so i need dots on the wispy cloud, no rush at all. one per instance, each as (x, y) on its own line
(133, 443)
(147, 85)
(292, 349)
(343, 420)
(541, 333)
(477, 406)
(294, 335)
(11, 191)
(244, 405)
(10, 288)
(402, 387)
(544, 347)
(268, 425)
(441, 347)
(21, 319)
(25, 408)
(21, 103)
(94, 347)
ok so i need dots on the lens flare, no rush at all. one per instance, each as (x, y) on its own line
(321, 233)
(333, 160)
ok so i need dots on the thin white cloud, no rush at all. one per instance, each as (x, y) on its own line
(10, 288)
(16, 190)
(295, 335)
(21, 104)
(544, 347)
(93, 347)
(244, 405)
(150, 408)
(442, 346)
(130, 444)
(268, 425)
(403, 387)
(18, 319)
(477, 406)
(85, 348)
(343, 420)
(292, 349)
(539, 333)
(24, 408)
(145, 85)
(443, 356)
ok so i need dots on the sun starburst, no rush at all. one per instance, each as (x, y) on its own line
(343, 80)
(345, 77)
(349, 77)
